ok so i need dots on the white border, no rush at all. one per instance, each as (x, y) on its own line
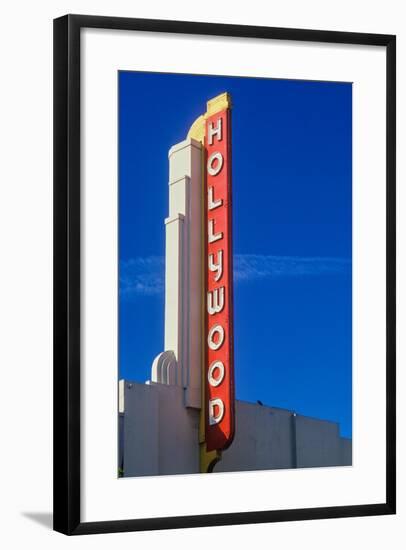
(103, 496)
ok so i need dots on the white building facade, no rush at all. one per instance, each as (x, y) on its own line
(160, 436)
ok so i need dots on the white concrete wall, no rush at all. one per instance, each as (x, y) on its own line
(326, 440)
(183, 266)
(160, 436)
(262, 440)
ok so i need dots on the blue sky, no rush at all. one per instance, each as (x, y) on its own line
(292, 222)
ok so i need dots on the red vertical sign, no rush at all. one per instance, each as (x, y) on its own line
(219, 366)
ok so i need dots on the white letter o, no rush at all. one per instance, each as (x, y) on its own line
(215, 381)
(212, 344)
(215, 156)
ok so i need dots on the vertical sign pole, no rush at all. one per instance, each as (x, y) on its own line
(216, 430)
(207, 459)
(219, 402)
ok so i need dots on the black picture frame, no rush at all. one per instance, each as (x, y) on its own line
(67, 263)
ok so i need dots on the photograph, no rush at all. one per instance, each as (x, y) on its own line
(235, 310)
(225, 274)
(202, 275)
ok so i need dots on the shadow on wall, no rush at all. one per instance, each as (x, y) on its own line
(42, 518)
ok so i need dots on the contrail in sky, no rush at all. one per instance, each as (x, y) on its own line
(146, 275)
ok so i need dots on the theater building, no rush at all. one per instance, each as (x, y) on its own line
(185, 419)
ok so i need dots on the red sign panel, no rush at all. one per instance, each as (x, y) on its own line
(219, 372)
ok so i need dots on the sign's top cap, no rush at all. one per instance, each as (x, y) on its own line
(214, 105)
(218, 103)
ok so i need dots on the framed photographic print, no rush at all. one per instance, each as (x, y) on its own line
(224, 274)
